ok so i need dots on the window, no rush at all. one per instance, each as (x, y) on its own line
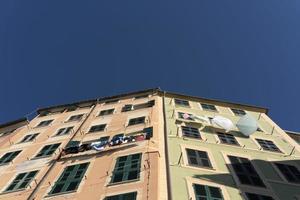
(106, 112)
(126, 196)
(180, 102)
(70, 179)
(245, 171)
(97, 128)
(192, 132)
(268, 145)
(130, 107)
(127, 107)
(185, 116)
(252, 196)
(8, 157)
(208, 107)
(227, 138)
(112, 101)
(44, 123)
(138, 120)
(47, 150)
(45, 113)
(144, 105)
(198, 158)
(21, 181)
(75, 118)
(7, 132)
(29, 138)
(290, 172)
(127, 168)
(238, 112)
(205, 192)
(64, 131)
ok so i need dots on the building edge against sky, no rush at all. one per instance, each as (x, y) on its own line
(138, 146)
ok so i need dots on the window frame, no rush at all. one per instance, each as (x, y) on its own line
(96, 125)
(135, 118)
(190, 127)
(184, 162)
(123, 193)
(198, 158)
(12, 152)
(191, 193)
(67, 127)
(262, 149)
(179, 113)
(208, 110)
(235, 177)
(46, 156)
(31, 139)
(221, 142)
(265, 193)
(12, 180)
(178, 102)
(139, 173)
(60, 175)
(105, 112)
(75, 120)
(42, 126)
(282, 175)
(238, 110)
(208, 194)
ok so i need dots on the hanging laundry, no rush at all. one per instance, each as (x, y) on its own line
(85, 147)
(202, 118)
(99, 146)
(72, 147)
(186, 116)
(223, 122)
(247, 124)
(140, 137)
(127, 139)
(116, 140)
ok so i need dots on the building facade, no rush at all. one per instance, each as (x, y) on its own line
(144, 146)
(206, 162)
(51, 156)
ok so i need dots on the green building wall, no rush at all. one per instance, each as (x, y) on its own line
(182, 175)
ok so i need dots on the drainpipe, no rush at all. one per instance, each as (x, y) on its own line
(169, 188)
(31, 196)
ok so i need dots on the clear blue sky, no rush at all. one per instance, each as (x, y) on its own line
(54, 52)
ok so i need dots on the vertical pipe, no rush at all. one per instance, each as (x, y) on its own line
(169, 188)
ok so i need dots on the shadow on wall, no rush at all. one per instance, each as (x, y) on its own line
(283, 176)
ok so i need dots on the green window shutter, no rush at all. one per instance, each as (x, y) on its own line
(48, 150)
(8, 157)
(70, 179)
(126, 196)
(127, 168)
(21, 181)
(205, 192)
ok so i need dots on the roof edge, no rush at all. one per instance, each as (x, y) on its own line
(263, 109)
(98, 99)
(13, 122)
